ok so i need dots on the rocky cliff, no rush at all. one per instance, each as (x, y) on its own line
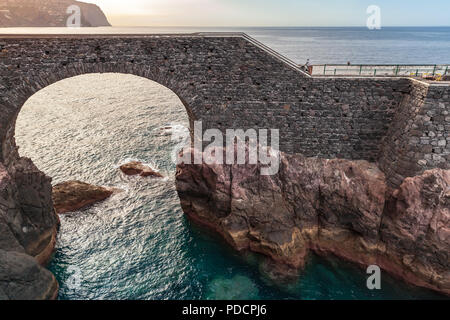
(338, 207)
(48, 13)
(28, 227)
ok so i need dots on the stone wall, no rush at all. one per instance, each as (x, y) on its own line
(342, 118)
(418, 138)
(229, 81)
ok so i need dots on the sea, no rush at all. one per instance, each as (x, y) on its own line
(322, 45)
(138, 244)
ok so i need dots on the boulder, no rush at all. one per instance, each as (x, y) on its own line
(75, 195)
(138, 168)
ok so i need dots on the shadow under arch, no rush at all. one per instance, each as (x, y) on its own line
(13, 101)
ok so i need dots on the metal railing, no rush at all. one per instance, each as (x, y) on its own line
(380, 70)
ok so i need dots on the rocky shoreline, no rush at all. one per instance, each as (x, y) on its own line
(338, 207)
(29, 226)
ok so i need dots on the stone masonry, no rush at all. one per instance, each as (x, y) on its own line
(231, 81)
(418, 138)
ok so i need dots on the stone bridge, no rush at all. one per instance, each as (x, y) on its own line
(233, 81)
(227, 81)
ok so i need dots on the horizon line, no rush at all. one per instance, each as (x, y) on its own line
(274, 26)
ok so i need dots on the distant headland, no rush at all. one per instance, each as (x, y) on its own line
(48, 13)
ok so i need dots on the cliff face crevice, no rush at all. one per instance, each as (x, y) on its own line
(339, 207)
(48, 13)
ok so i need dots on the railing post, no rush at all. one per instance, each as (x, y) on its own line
(434, 70)
(334, 71)
(396, 71)
(375, 72)
(417, 72)
(446, 69)
(324, 69)
(360, 69)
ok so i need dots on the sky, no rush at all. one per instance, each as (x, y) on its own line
(273, 12)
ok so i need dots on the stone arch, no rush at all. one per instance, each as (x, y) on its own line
(30, 219)
(14, 100)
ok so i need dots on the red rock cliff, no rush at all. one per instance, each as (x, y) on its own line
(329, 206)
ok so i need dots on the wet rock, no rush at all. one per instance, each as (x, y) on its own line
(75, 195)
(21, 277)
(333, 207)
(138, 168)
(416, 228)
(28, 227)
(278, 274)
(30, 214)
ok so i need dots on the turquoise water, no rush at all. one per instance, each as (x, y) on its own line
(138, 244)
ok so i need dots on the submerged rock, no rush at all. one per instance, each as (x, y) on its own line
(236, 288)
(338, 207)
(138, 168)
(75, 195)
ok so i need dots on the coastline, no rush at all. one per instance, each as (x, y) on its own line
(308, 237)
(357, 242)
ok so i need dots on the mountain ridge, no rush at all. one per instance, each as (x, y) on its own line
(48, 13)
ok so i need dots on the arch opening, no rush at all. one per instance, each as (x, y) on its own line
(91, 116)
(82, 128)
(11, 103)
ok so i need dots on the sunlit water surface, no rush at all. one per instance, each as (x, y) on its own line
(138, 244)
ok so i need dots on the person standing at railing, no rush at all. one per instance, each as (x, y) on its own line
(307, 67)
(307, 64)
